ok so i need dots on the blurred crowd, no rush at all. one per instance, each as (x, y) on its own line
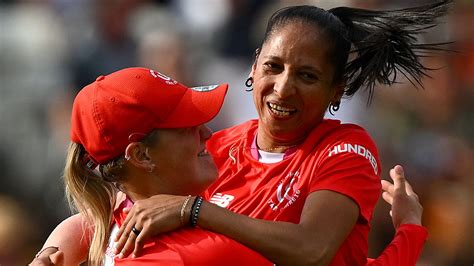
(50, 49)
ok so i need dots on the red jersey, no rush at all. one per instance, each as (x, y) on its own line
(191, 246)
(337, 157)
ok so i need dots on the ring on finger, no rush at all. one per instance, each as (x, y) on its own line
(135, 231)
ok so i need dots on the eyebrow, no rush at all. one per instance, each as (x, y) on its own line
(304, 67)
(311, 68)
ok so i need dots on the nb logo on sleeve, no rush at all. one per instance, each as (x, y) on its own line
(221, 200)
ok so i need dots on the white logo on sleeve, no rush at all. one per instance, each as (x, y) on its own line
(357, 149)
(221, 200)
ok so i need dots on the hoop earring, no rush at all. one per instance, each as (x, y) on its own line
(334, 107)
(249, 83)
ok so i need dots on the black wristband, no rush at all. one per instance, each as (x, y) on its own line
(193, 218)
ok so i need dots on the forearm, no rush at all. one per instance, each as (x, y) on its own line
(280, 242)
(69, 237)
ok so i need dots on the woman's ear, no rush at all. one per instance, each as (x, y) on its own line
(137, 154)
(339, 92)
(254, 65)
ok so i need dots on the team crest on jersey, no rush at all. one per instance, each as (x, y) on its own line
(287, 192)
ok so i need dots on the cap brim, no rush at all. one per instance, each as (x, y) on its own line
(199, 105)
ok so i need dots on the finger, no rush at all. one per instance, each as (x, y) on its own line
(138, 247)
(140, 241)
(124, 238)
(387, 186)
(129, 245)
(398, 177)
(40, 262)
(126, 210)
(57, 258)
(409, 190)
(387, 197)
(124, 226)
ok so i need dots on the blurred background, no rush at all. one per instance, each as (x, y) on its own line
(49, 49)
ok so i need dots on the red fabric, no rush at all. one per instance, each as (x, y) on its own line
(191, 247)
(405, 248)
(278, 191)
(249, 187)
(143, 99)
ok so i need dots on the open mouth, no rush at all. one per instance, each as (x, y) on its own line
(279, 110)
(203, 153)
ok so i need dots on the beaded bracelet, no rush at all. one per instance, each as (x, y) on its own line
(195, 211)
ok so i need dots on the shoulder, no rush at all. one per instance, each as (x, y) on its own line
(346, 144)
(332, 134)
(340, 131)
(237, 130)
(228, 136)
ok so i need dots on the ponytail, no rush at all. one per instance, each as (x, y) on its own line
(385, 44)
(93, 197)
(384, 41)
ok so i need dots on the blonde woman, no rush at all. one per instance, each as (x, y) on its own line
(131, 131)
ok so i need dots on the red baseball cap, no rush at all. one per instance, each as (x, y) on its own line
(134, 101)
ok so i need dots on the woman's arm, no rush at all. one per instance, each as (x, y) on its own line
(68, 236)
(322, 228)
(406, 213)
(326, 220)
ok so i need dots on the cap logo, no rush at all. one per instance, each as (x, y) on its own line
(167, 79)
(204, 88)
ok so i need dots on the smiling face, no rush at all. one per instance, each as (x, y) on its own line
(183, 165)
(293, 84)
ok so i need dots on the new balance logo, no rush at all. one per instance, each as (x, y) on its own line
(222, 200)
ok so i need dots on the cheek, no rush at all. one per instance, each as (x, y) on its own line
(258, 93)
(205, 174)
(256, 100)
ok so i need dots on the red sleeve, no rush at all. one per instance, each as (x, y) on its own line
(350, 166)
(405, 247)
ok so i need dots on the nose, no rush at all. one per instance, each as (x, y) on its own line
(205, 132)
(284, 86)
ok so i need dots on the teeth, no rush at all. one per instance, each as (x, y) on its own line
(203, 153)
(280, 110)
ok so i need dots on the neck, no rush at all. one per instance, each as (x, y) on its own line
(139, 185)
(134, 194)
(272, 145)
(277, 149)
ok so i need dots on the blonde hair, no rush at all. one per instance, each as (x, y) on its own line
(91, 195)
(94, 194)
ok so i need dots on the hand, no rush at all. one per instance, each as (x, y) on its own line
(150, 217)
(49, 256)
(406, 208)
